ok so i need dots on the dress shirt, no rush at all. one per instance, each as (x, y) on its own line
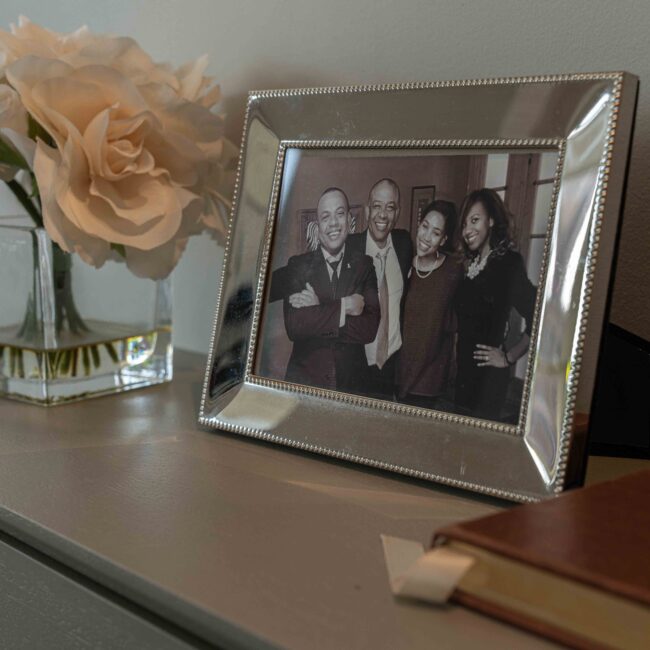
(331, 259)
(395, 284)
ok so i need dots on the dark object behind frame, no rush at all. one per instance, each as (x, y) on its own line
(620, 417)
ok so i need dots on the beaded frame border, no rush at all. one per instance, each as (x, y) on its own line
(561, 461)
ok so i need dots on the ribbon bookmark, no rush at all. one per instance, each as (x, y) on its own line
(430, 576)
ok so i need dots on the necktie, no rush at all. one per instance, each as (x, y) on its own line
(335, 278)
(382, 332)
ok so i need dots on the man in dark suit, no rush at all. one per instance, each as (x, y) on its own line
(331, 308)
(391, 250)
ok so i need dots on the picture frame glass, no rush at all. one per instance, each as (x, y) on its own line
(430, 290)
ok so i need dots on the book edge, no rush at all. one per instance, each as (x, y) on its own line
(527, 623)
(462, 533)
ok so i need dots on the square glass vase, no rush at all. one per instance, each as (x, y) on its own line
(69, 331)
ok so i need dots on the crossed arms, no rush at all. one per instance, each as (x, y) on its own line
(308, 315)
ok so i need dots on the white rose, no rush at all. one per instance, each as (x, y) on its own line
(127, 165)
(28, 38)
(82, 47)
(140, 160)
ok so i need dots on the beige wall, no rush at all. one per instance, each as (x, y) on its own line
(297, 43)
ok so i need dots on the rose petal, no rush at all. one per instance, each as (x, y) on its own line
(157, 263)
(47, 168)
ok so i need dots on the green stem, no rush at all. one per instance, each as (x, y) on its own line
(66, 308)
(25, 201)
(67, 316)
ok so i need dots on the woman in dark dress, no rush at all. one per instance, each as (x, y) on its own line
(425, 358)
(494, 282)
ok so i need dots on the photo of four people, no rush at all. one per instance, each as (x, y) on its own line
(421, 315)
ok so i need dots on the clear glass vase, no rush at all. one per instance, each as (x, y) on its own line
(69, 331)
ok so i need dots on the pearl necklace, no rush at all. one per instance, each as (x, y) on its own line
(477, 265)
(426, 274)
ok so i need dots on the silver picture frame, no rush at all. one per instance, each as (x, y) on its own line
(587, 119)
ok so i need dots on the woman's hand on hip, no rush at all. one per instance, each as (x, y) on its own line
(486, 355)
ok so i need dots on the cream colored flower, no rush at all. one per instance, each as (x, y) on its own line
(82, 47)
(138, 161)
(12, 113)
(126, 168)
(28, 38)
(194, 86)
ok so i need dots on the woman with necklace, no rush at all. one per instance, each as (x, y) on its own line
(495, 281)
(425, 359)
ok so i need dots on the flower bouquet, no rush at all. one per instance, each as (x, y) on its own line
(117, 160)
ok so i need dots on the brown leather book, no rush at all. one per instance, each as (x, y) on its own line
(575, 568)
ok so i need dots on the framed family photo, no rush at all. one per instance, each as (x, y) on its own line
(416, 275)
